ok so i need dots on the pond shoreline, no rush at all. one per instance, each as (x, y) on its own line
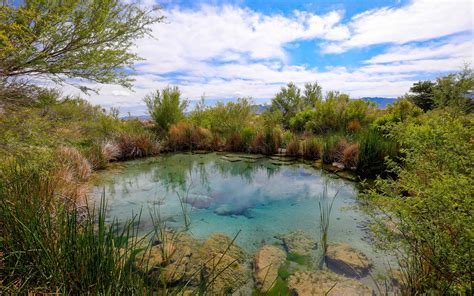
(284, 164)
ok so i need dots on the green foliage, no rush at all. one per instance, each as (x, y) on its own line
(451, 90)
(223, 119)
(266, 141)
(335, 113)
(289, 100)
(422, 94)
(397, 112)
(302, 121)
(431, 203)
(166, 107)
(47, 247)
(90, 40)
(311, 148)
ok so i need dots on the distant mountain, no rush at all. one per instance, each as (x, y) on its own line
(139, 117)
(381, 102)
(260, 108)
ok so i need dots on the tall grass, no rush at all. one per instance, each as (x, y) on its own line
(311, 148)
(293, 147)
(47, 247)
(325, 204)
(373, 149)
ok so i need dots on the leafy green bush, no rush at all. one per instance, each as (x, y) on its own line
(430, 203)
(166, 107)
(397, 112)
(224, 120)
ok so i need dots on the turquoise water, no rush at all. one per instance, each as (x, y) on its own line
(260, 198)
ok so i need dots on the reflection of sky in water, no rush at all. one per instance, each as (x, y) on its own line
(260, 199)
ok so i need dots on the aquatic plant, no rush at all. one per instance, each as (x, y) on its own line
(293, 147)
(325, 204)
(47, 247)
(311, 148)
(373, 150)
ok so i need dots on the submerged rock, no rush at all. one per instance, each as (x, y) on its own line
(344, 259)
(298, 242)
(325, 283)
(221, 262)
(178, 258)
(224, 273)
(266, 263)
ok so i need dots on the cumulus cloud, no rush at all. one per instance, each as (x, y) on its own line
(418, 21)
(229, 51)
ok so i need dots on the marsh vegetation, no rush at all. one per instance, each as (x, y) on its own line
(413, 163)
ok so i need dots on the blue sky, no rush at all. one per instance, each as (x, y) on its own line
(230, 49)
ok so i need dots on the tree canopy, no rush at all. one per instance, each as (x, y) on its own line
(86, 39)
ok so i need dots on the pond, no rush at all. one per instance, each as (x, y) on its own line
(257, 197)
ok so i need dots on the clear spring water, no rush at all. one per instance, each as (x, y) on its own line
(259, 198)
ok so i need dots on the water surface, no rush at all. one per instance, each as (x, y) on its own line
(260, 198)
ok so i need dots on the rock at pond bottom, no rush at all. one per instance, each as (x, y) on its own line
(344, 259)
(178, 258)
(221, 262)
(298, 242)
(325, 283)
(224, 274)
(266, 263)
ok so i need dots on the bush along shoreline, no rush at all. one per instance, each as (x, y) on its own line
(51, 146)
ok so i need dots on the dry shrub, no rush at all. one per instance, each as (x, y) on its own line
(257, 145)
(354, 125)
(338, 149)
(100, 154)
(72, 160)
(311, 148)
(70, 175)
(234, 143)
(350, 155)
(136, 145)
(267, 141)
(293, 147)
(203, 138)
(187, 136)
(110, 150)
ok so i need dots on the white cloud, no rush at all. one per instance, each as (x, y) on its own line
(420, 20)
(452, 48)
(230, 33)
(227, 51)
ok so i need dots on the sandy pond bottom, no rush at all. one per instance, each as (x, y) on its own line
(259, 198)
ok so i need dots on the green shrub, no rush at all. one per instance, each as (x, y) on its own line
(224, 120)
(166, 107)
(430, 204)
